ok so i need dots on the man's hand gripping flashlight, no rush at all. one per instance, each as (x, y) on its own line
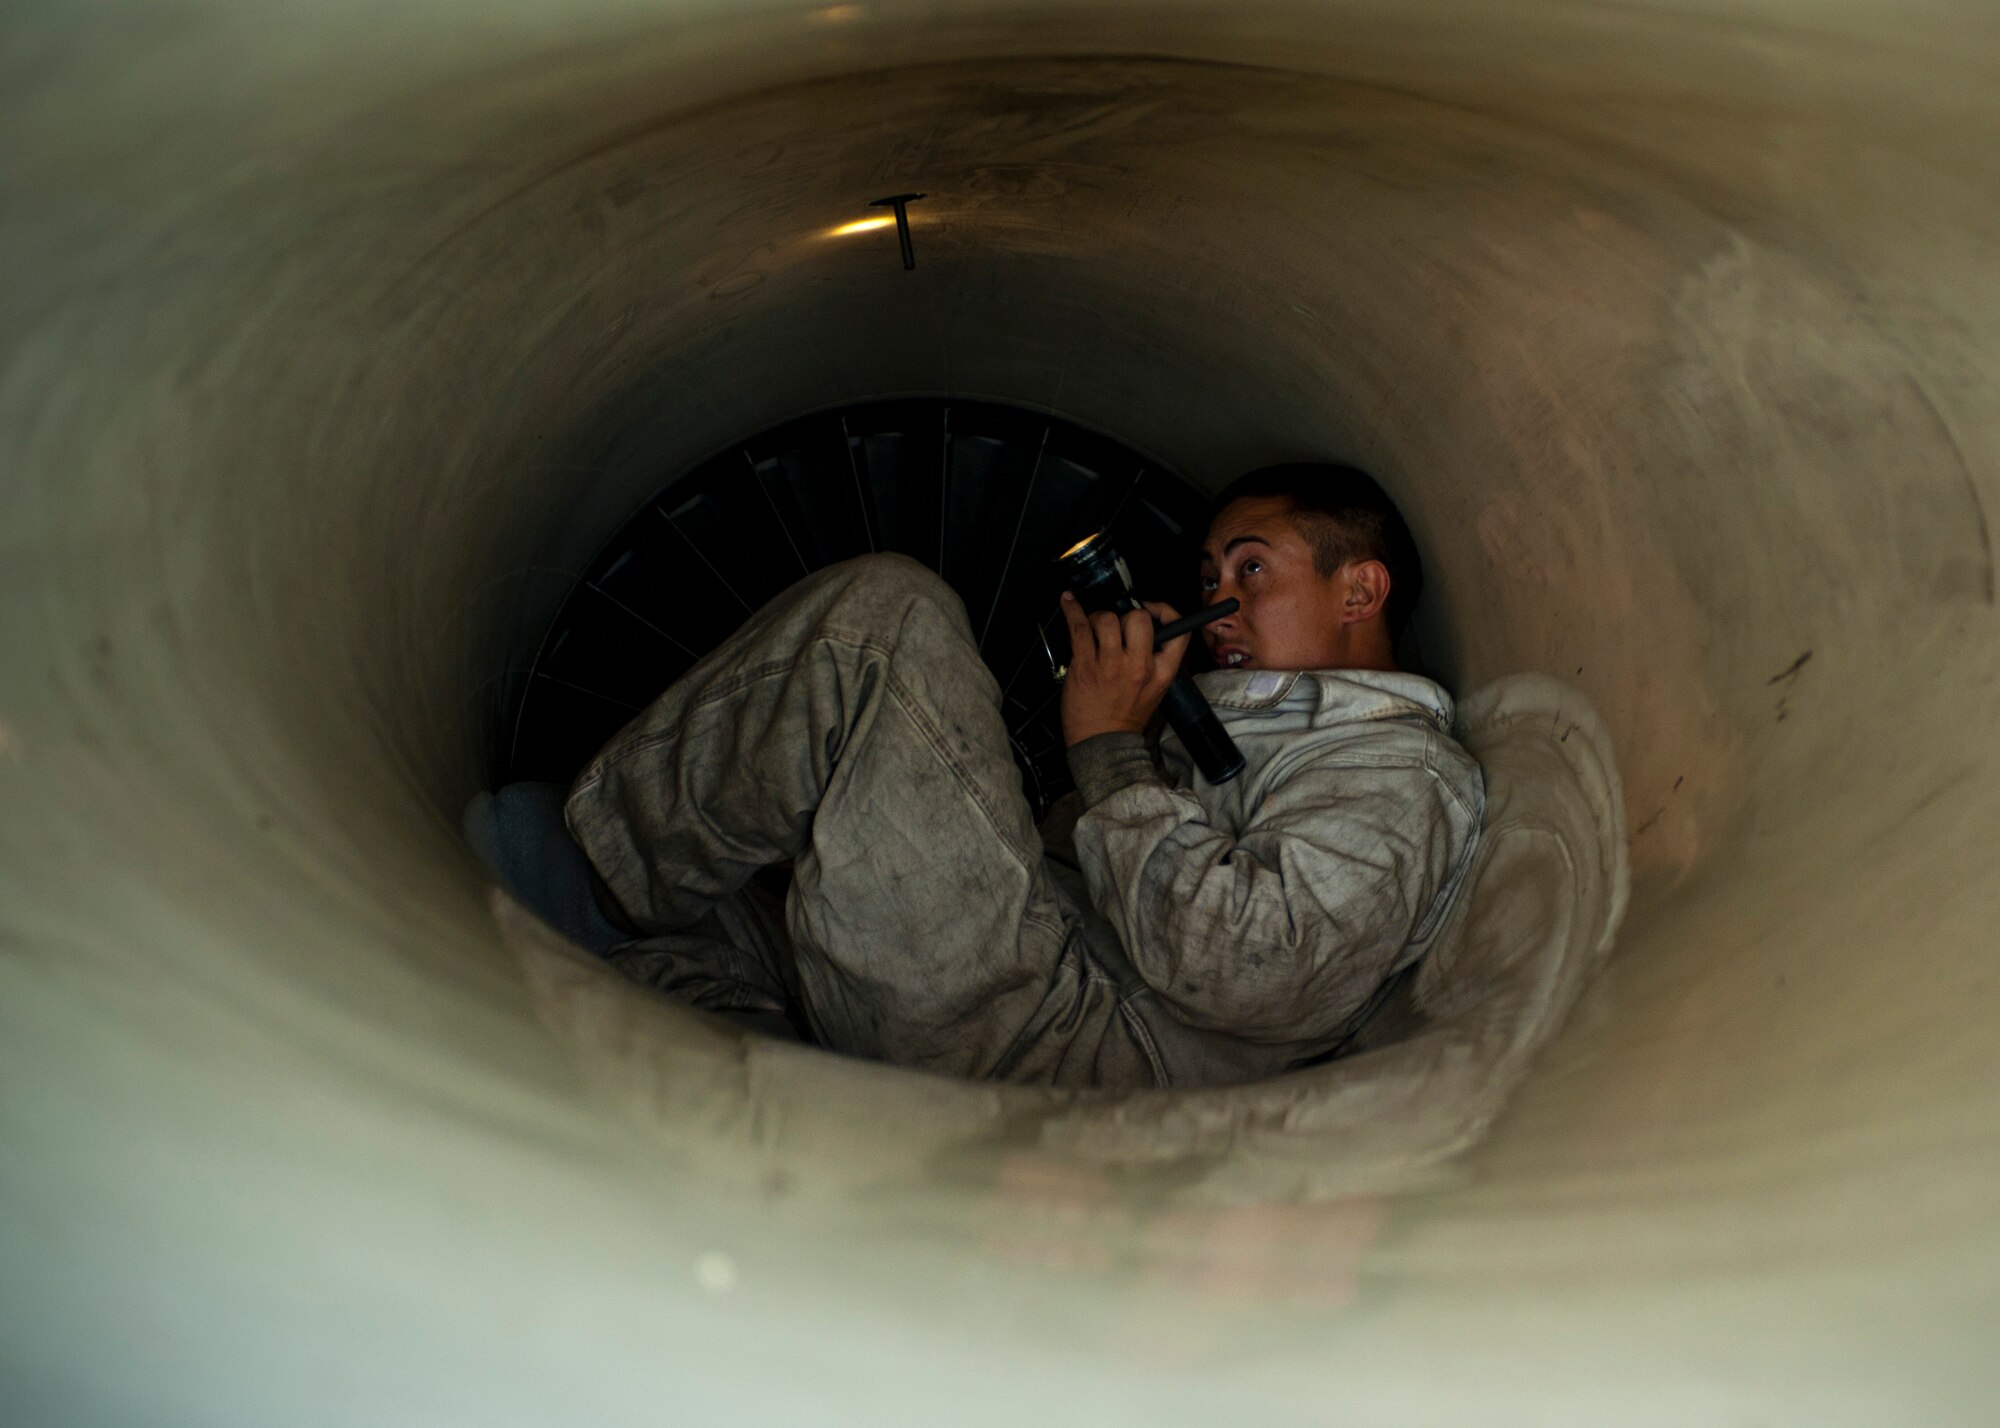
(1098, 581)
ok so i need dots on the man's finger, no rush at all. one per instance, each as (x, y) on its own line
(1080, 639)
(1167, 660)
(1138, 630)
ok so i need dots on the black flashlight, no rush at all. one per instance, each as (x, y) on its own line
(1097, 575)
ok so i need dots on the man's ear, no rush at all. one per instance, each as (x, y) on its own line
(1367, 591)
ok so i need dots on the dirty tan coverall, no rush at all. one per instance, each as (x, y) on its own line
(1169, 933)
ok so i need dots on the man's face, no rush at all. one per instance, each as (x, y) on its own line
(1290, 615)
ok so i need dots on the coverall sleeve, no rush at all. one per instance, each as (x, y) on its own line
(1282, 933)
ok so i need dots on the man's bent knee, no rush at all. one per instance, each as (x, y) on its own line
(886, 585)
(892, 572)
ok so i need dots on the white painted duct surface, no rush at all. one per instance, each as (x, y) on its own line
(333, 339)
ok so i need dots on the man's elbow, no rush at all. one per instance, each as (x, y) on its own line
(1279, 994)
(1256, 1008)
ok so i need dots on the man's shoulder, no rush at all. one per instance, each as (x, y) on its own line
(1366, 696)
(1329, 696)
(1394, 722)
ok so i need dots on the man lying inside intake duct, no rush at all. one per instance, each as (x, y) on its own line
(1252, 860)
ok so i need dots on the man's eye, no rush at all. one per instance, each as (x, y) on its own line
(1252, 565)
(1208, 582)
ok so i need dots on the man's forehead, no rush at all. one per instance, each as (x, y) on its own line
(1262, 518)
(1209, 554)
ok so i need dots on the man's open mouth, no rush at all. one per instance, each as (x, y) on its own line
(1232, 659)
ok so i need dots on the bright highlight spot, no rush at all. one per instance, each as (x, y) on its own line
(715, 1272)
(861, 225)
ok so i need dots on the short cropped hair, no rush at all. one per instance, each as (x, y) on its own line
(1343, 515)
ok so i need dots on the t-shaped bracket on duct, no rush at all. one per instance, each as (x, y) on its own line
(901, 203)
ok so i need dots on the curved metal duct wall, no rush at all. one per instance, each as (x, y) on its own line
(334, 339)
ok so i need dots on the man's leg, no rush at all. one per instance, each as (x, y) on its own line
(734, 962)
(852, 727)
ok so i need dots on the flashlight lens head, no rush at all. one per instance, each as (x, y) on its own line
(1097, 573)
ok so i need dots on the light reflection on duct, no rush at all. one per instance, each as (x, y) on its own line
(860, 225)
